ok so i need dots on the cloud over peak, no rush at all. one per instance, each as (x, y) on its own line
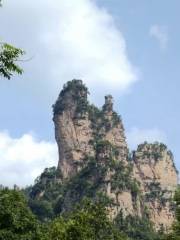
(87, 40)
(71, 39)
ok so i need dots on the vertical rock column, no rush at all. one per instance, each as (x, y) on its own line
(115, 134)
(72, 128)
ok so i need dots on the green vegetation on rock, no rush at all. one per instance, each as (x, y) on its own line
(78, 92)
(175, 231)
(49, 196)
(45, 194)
(137, 228)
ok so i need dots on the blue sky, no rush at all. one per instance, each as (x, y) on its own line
(129, 49)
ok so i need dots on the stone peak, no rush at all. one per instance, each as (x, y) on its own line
(73, 95)
(108, 106)
(76, 86)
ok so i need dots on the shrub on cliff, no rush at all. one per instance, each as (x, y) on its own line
(175, 234)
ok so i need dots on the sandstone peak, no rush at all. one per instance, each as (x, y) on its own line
(92, 141)
(72, 98)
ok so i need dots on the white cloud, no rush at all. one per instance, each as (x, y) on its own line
(160, 33)
(71, 39)
(23, 159)
(86, 40)
(137, 136)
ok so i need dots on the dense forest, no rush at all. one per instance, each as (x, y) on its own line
(87, 221)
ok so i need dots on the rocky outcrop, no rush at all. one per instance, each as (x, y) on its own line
(92, 146)
(79, 125)
(154, 162)
(72, 128)
(155, 170)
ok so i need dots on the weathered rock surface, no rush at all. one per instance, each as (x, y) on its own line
(72, 132)
(84, 132)
(154, 168)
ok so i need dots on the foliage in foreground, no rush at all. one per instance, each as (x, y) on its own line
(175, 234)
(16, 219)
(9, 55)
(88, 221)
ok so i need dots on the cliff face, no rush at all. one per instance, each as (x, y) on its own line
(154, 169)
(72, 128)
(92, 146)
(78, 126)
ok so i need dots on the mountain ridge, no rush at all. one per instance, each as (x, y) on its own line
(95, 162)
